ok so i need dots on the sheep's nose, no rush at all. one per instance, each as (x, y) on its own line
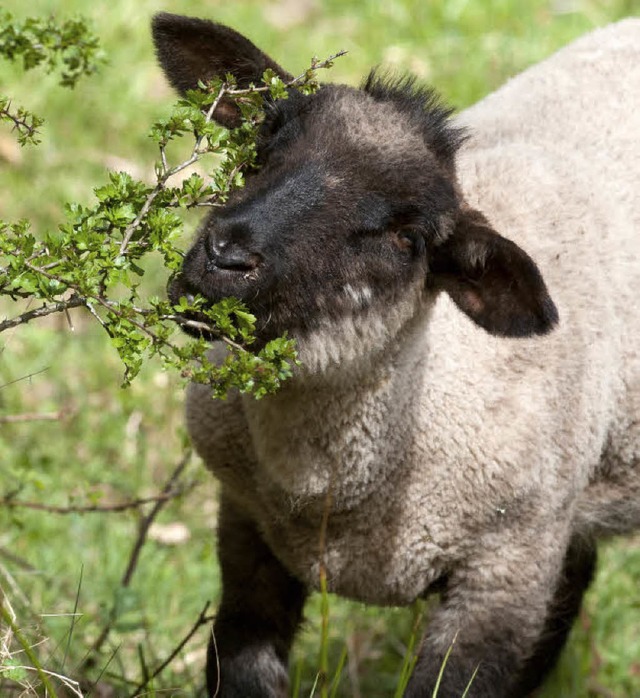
(230, 256)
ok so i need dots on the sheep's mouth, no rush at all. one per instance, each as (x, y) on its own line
(192, 322)
(196, 323)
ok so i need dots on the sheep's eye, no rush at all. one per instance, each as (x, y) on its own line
(404, 239)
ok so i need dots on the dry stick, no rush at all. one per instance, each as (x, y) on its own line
(31, 417)
(24, 378)
(134, 557)
(97, 508)
(203, 619)
(74, 302)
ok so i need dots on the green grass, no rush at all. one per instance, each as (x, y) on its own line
(111, 445)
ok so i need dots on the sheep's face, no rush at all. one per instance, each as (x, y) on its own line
(338, 219)
(354, 208)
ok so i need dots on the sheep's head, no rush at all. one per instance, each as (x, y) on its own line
(355, 206)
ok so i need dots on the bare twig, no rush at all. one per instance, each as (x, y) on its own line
(203, 619)
(146, 522)
(31, 417)
(134, 556)
(29, 376)
(46, 309)
(97, 508)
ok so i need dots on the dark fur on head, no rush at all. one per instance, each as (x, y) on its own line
(423, 105)
(355, 203)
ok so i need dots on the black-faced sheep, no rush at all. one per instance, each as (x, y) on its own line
(471, 434)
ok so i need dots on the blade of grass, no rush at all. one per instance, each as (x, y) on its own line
(410, 656)
(297, 680)
(338, 673)
(74, 618)
(442, 667)
(315, 685)
(473, 676)
(323, 672)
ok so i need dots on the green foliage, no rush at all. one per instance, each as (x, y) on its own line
(95, 258)
(68, 46)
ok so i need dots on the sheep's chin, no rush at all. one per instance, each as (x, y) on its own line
(359, 339)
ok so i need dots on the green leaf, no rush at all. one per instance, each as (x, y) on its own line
(13, 670)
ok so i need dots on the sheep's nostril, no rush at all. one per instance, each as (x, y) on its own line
(234, 260)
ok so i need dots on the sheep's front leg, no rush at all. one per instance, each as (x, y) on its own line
(492, 616)
(260, 610)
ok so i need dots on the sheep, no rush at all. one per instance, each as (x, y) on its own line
(465, 420)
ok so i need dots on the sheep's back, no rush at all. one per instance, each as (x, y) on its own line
(554, 162)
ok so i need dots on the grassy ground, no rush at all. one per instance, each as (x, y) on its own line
(62, 574)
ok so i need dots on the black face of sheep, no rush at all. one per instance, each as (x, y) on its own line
(355, 204)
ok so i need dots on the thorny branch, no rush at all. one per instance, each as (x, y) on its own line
(24, 123)
(74, 301)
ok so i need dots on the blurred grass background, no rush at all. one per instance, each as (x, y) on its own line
(107, 444)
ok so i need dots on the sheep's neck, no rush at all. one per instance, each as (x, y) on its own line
(339, 433)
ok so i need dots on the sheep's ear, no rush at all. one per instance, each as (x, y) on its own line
(191, 49)
(492, 280)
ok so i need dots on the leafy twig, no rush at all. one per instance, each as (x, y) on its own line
(24, 122)
(97, 252)
(68, 44)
